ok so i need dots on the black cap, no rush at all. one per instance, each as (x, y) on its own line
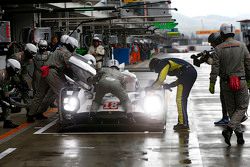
(153, 63)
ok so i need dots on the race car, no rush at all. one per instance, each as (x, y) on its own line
(148, 107)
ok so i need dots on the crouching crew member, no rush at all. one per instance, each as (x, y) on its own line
(25, 58)
(110, 80)
(13, 67)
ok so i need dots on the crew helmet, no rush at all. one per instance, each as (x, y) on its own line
(13, 66)
(153, 63)
(64, 38)
(42, 44)
(31, 48)
(71, 43)
(90, 58)
(227, 29)
(97, 39)
(215, 39)
(113, 63)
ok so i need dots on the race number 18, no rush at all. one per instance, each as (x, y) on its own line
(110, 105)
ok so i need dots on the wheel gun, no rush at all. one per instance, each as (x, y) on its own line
(202, 57)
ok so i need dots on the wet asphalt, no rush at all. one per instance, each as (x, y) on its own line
(202, 145)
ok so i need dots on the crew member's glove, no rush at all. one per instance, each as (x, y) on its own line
(211, 87)
(167, 86)
(171, 85)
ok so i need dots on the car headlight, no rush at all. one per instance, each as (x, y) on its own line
(71, 103)
(153, 105)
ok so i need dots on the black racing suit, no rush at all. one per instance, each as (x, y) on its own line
(186, 75)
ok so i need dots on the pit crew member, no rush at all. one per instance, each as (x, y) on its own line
(186, 75)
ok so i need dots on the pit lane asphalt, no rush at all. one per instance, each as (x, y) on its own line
(203, 145)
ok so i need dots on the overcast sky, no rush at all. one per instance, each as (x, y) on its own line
(230, 8)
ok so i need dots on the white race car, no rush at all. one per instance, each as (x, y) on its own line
(148, 110)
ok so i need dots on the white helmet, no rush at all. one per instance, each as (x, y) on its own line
(72, 42)
(64, 38)
(14, 64)
(31, 48)
(90, 58)
(113, 63)
(141, 41)
(227, 29)
(42, 44)
(97, 39)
